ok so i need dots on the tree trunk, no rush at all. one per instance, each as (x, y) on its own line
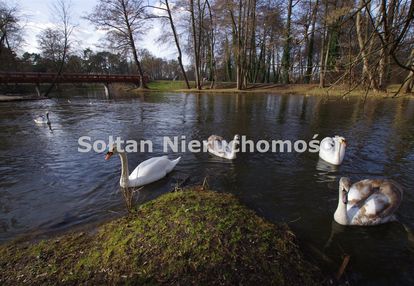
(309, 56)
(321, 56)
(142, 85)
(362, 47)
(60, 70)
(177, 43)
(275, 79)
(409, 80)
(138, 64)
(286, 49)
(212, 44)
(239, 53)
(63, 9)
(195, 46)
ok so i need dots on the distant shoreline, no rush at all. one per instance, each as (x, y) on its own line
(230, 88)
(269, 88)
(10, 98)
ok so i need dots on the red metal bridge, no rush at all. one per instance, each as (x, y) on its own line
(38, 78)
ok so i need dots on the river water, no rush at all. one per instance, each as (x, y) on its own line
(47, 185)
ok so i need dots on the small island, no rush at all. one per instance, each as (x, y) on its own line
(191, 236)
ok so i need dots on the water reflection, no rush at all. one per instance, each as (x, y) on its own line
(47, 185)
(326, 171)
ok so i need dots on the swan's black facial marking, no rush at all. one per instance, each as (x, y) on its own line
(344, 196)
(108, 155)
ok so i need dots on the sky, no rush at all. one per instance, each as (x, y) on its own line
(38, 16)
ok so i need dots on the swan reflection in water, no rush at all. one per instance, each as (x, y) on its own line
(326, 172)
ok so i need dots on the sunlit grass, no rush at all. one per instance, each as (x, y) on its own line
(299, 89)
(168, 85)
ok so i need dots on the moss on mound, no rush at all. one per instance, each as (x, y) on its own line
(185, 237)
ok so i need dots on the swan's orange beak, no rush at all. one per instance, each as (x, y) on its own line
(344, 142)
(108, 155)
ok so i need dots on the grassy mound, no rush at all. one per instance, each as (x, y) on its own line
(185, 237)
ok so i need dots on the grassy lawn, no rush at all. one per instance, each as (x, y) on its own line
(300, 89)
(168, 85)
(188, 237)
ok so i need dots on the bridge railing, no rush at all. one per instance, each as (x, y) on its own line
(33, 77)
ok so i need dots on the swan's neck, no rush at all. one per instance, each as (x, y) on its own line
(339, 151)
(233, 148)
(124, 181)
(341, 215)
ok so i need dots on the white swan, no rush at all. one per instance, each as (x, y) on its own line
(367, 202)
(216, 145)
(147, 172)
(42, 119)
(332, 150)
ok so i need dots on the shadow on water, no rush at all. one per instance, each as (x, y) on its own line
(47, 185)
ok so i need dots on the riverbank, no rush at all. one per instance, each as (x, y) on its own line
(298, 89)
(186, 237)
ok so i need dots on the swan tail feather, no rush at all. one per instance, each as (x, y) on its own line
(173, 164)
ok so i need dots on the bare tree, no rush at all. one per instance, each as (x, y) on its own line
(288, 42)
(364, 42)
(242, 15)
(61, 10)
(51, 44)
(171, 22)
(10, 27)
(177, 43)
(212, 41)
(196, 42)
(124, 22)
(311, 42)
(367, 72)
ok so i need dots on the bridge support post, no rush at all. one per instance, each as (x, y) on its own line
(107, 93)
(37, 88)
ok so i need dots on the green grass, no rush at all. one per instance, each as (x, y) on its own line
(168, 85)
(299, 89)
(185, 237)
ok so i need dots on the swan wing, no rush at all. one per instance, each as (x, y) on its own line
(213, 138)
(360, 191)
(151, 161)
(327, 145)
(375, 205)
(216, 146)
(383, 200)
(219, 147)
(217, 151)
(373, 211)
(146, 165)
(394, 194)
(215, 142)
